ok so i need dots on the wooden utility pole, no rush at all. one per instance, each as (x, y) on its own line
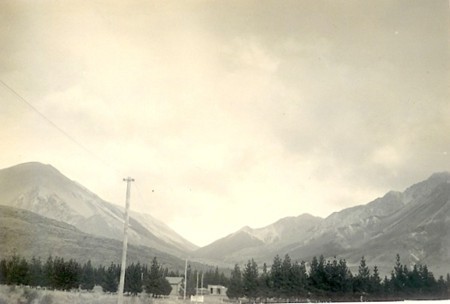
(196, 286)
(125, 242)
(185, 280)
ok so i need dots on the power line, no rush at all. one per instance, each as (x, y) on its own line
(71, 138)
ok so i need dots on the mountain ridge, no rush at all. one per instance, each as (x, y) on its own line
(44, 190)
(414, 223)
(30, 235)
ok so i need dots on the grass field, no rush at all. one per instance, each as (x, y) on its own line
(26, 295)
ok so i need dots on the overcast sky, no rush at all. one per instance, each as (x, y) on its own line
(234, 112)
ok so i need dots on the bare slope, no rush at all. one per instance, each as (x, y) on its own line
(29, 234)
(414, 223)
(258, 243)
(44, 190)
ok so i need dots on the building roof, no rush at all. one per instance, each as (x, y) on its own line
(174, 280)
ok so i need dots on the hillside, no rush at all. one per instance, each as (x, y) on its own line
(57, 215)
(44, 190)
(29, 234)
(258, 243)
(414, 223)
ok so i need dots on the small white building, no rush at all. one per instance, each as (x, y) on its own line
(217, 290)
(176, 283)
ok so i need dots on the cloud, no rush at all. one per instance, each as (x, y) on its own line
(229, 109)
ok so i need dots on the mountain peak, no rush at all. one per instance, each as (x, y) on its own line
(42, 189)
(444, 175)
(247, 229)
(32, 170)
(32, 166)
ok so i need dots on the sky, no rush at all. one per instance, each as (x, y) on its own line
(228, 113)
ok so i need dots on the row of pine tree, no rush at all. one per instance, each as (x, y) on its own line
(57, 273)
(331, 279)
(285, 279)
(60, 274)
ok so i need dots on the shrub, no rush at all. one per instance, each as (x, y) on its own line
(30, 295)
(46, 299)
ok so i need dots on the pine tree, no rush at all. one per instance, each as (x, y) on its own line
(166, 289)
(3, 271)
(156, 284)
(111, 278)
(36, 272)
(74, 271)
(362, 280)
(250, 280)
(299, 279)
(398, 277)
(235, 290)
(23, 272)
(317, 274)
(375, 282)
(264, 283)
(276, 277)
(17, 272)
(87, 281)
(99, 275)
(333, 280)
(286, 277)
(49, 273)
(66, 274)
(133, 279)
(152, 284)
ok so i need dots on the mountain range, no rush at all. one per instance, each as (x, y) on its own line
(43, 211)
(414, 223)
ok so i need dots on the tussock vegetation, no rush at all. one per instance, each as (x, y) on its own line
(26, 295)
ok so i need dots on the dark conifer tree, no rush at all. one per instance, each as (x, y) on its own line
(264, 283)
(3, 271)
(250, 280)
(375, 286)
(276, 277)
(49, 273)
(216, 278)
(133, 279)
(286, 285)
(317, 274)
(345, 277)
(156, 283)
(111, 278)
(23, 272)
(152, 284)
(224, 280)
(166, 289)
(66, 274)
(235, 290)
(87, 280)
(99, 275)
(398, 277)
(387, 286)
(332, 280)
(362, 279)
(36, 272)
(17, 272)
(299, 279)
